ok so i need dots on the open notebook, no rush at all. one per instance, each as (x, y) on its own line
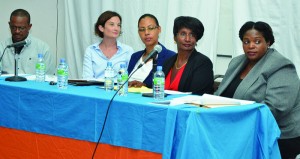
(206, 100)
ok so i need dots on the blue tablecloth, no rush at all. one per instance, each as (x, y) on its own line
(183, 131)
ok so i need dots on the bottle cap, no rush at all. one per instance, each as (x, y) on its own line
(62, 60)
(109, 63)
(122, 65)
(159, 68)
(40, 55)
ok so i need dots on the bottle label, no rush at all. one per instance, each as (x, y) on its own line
(62, 72)
(108, 82)
(40, 66)
(124, 77)
(158, 81)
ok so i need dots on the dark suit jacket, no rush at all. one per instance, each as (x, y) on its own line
(197, 76)
(273, 81)
(162, 56)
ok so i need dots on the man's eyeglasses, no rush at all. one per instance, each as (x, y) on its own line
(15, 28)
(150, 28)
(184, 35)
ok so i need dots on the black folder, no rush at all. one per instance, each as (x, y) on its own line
(85, 83)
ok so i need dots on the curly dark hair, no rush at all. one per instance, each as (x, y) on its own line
(191, 23)
(105, 16)
(260, 26)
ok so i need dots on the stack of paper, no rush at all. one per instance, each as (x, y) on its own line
(207, 100)
(142, 89)
(213, 101)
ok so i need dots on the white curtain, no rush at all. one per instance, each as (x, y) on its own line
(282, 16)
(80, 17)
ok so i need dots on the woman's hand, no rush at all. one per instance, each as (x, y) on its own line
(136, 84)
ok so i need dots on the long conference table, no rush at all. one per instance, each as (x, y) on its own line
(38, 120)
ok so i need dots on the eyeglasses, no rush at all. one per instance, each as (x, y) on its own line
(150, 28)
(184, 35)
(15, 28)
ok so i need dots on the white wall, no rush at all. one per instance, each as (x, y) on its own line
(225, 39)
(46, 13)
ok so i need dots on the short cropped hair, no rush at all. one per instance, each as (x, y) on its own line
(103, 18)
(150, 16)
(20, 13)
(191, 23)
(263, 27)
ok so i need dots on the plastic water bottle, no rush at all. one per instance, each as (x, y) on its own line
(159, 84)
(40, 69)
(109, 77)
(122, 78)
(62, 74)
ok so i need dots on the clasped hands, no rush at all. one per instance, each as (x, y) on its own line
(136, 84)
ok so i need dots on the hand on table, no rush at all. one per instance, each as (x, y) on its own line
(136, 84)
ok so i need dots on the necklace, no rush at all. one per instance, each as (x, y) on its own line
(176, 65)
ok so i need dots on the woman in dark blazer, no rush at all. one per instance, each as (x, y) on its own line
(149, 31)
(263, 75)
(189, 70)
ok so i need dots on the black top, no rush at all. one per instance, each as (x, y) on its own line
(230, 90)
(197, 76)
